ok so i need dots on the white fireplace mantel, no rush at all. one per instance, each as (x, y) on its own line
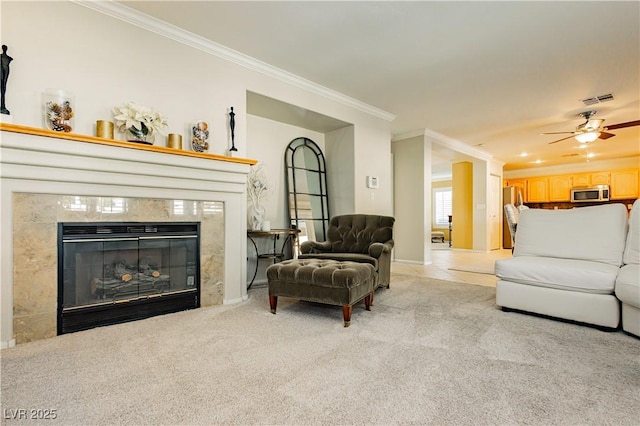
(45, 162)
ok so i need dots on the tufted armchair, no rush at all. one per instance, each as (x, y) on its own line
(357, 238)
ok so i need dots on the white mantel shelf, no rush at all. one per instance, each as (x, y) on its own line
(15, 128)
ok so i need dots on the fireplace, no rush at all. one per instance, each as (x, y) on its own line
(116, 272)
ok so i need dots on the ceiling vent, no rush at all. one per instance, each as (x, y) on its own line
(598, 99)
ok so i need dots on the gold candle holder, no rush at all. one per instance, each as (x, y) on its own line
(174, 141)
(104, 129)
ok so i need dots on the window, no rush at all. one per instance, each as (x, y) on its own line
(441, 206)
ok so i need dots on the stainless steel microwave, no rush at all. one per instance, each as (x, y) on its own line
(583, 194)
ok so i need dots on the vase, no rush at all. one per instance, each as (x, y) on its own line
(200, 136)
(58, 110)
(256, 217)
(143, 135)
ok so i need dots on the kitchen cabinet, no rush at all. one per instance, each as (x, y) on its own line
(602, 178)
(538, 190)
(587, 179)
(560, 188)
(583, 179)
(520, 185)
(624, 184)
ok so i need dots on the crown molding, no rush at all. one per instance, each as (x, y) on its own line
(407, 135)
(149, 23)
(446, 142)
(457, 145)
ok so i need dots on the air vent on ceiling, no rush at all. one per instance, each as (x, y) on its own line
(598, 99)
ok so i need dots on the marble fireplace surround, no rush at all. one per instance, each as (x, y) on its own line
(48, 177)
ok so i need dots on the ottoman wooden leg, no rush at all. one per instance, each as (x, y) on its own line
(367, 301)
(346, 313)
(273, 301)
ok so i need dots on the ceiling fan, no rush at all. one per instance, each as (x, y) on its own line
(592, 129)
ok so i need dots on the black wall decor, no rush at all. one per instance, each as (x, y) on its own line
(4, 76)
(232, 126)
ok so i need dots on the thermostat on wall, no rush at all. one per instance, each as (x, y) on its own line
(372, 182)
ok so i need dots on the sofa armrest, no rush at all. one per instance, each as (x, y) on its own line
(315, 247)
(377, 249)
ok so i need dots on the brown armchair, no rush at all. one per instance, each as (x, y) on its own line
(357, 238)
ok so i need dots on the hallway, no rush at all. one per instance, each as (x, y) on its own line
(456, 265)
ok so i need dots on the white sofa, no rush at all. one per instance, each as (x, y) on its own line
(628, 281)
(565, 264)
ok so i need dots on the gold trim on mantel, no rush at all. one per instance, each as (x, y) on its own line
(15, 128)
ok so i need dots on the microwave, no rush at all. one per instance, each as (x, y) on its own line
(583, 194)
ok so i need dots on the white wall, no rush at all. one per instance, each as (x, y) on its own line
(412, 199)
(341, 182)
(480, 211)
(106, 62)
(274, 138)
(373, 158)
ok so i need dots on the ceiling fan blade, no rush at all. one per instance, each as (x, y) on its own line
(623, 125)
(560, 140)
(555, 133)
(605, 135)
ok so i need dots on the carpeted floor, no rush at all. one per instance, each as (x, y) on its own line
(429, 352)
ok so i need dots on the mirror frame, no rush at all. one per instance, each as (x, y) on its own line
(294, 193)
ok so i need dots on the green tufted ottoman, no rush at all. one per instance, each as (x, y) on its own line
(323, 281)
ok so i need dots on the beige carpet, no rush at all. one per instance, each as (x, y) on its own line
(429, 352)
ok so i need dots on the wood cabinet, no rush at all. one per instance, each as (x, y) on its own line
(520, 185)
(586, 179)
(538, 190)
(560, 188)
(601, 178)
(624, 184)
(583, 179)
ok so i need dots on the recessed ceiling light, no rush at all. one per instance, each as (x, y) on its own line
(591, 154)
(523, 154)
(537, 162)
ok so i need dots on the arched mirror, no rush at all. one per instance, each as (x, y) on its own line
(306, 178)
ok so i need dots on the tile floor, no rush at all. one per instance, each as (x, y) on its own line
(446, 261)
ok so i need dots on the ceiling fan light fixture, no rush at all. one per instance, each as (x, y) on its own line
(587, 137)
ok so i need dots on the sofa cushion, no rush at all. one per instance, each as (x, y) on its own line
(632, 249)
(595, 233)
(564, 274)
(628, 285)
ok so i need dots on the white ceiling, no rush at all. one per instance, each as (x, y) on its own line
(493, 75)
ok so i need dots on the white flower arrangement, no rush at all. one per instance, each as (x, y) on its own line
(139, 120)
(257, 185)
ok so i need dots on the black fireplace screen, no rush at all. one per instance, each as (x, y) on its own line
(117, 272)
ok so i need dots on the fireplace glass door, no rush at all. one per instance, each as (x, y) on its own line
(120, 273)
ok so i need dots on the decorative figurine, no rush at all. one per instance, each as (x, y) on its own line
(200, 137)
(4, 76)
(232, 125)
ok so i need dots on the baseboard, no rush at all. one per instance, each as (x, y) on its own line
(8, 344)
(412, 262)
(234, 301)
